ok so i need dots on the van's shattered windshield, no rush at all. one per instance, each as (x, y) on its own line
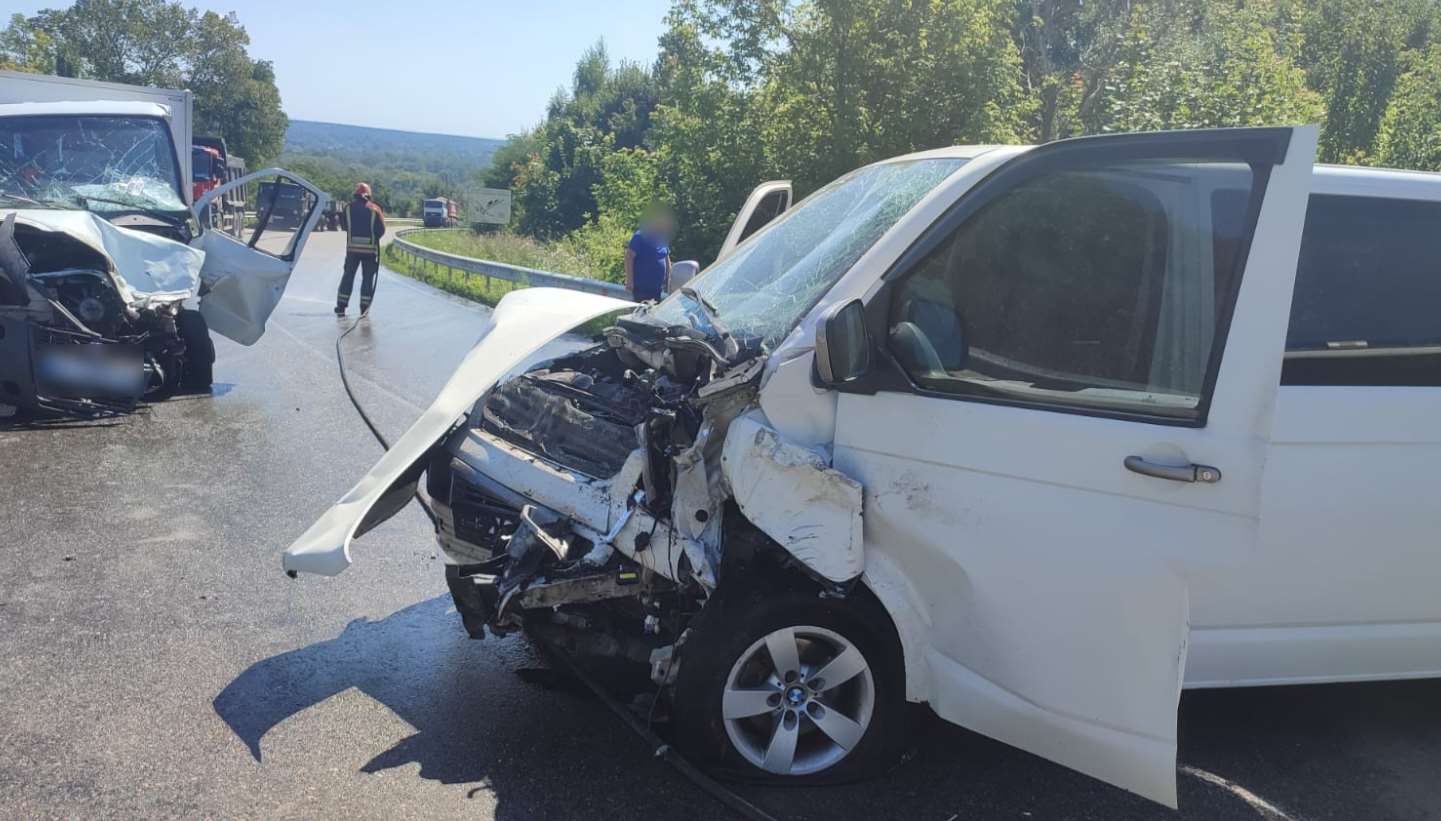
(107, 164)
(762, 289)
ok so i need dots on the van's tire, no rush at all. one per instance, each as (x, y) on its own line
(199, 371)
(728, 650)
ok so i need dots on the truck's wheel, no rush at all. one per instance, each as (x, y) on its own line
(787, 687)
(199, 371)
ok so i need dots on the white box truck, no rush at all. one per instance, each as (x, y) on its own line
(109, 284)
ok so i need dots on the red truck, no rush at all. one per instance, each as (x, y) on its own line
(211, 165)
(440, 212)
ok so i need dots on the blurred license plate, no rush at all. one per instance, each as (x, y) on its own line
(83, 371)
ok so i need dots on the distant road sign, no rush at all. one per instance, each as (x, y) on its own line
(488, 205)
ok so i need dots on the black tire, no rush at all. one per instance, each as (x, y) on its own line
(729, 627)
(170, 367)
(199, 371)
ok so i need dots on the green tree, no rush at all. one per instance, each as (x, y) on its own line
(509, 158)
(1409, 135)
(554, 169)
(1353, 53)
(707, 127)
(26, 47)
(756, 89)
(861, 80)
(630, 182)
(1067, 50)
(1213, 65)
(235, 96)
(125, 41)
(748, 90)
(160, 43)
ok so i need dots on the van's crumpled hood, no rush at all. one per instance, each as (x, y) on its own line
(522, 324)
(146, 268)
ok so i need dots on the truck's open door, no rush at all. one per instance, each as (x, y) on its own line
(244, 278)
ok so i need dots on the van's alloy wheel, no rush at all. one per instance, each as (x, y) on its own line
(798, 700)
(785, 687)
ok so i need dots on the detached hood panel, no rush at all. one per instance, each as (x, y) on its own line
(146, 267)
(522, 324)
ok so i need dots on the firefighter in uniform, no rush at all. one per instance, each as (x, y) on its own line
(364, 226)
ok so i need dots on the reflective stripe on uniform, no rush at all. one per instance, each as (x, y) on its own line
(365, 245)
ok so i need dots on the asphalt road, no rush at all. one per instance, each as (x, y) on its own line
(155, 662)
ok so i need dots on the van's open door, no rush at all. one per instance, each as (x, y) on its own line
(768, 201)
(1041, 498)
(244, 278)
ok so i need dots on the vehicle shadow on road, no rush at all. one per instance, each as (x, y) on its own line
(476, 722)
(1367, 750)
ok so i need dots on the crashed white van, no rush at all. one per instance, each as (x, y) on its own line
(1001, 430)
(109, 285)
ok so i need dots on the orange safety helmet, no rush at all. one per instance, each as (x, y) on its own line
(362, 189)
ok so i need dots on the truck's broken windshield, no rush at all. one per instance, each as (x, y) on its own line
(768, 284)
(107, 164)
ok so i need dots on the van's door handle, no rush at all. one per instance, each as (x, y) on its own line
(1176, 473)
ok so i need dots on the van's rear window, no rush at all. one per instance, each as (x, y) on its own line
(1369, 275)
(1367, 307)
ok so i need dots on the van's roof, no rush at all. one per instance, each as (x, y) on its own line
(1364, 181)
(121, 108)
(1356, 180)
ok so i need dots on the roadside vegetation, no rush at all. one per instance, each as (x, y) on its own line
(507, 248)
(503, 247)
(477, 288)
(743, 91)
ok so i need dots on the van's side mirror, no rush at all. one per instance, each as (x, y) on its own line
(843, 345)
(681, 273)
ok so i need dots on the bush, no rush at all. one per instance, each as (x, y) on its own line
(509, 249)
(1410, 132)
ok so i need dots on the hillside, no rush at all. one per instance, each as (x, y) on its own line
(402, 166)
(415, 151)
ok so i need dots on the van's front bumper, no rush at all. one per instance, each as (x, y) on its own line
(477, 480)
(469, 521)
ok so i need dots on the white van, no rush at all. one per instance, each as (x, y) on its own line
(1018, 433)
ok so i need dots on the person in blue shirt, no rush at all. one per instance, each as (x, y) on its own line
(647, 256)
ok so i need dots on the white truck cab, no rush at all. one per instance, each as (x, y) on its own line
(1037, 436)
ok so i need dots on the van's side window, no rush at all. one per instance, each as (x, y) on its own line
(1099, 288)
(1367, 306)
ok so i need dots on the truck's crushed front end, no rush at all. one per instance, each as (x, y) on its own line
(95, 269)
(79, 337)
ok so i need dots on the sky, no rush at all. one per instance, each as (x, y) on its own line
(482, 68)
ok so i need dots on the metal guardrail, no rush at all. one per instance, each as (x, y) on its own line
(524, 277)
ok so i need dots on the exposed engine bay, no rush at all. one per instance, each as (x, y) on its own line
(79, 337)
(643, 527)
